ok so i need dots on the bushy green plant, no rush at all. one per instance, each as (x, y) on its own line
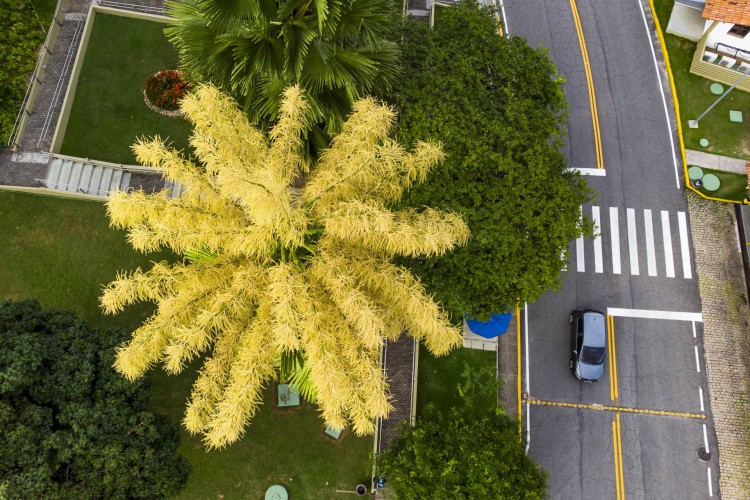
(20, 35)
(498, 107)
(71, 427)
(470, 451)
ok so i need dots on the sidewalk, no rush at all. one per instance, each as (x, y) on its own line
(726, 342)
(716, 162)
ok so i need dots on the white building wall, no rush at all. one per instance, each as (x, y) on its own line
(686, 22)
(720, 34)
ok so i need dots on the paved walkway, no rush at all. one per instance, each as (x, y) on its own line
(716, 162)
(398, 362)
(726, 317)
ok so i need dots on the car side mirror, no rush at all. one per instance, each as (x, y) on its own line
(575, 352)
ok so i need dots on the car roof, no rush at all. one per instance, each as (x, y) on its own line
(593, 329)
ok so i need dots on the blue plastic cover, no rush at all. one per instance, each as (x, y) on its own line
(497, 325)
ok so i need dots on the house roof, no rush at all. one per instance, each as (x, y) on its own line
(728, 11)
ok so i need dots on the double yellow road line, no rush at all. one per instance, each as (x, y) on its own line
(617, 446)
(614, 395)
(590, 83)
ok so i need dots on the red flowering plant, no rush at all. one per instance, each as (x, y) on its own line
(165, 89)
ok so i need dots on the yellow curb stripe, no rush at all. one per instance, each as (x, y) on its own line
(518, 378)
(613, 408)
(590, 84)
(611, 357)
(620, 475)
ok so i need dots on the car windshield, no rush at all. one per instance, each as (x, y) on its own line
(592, 355)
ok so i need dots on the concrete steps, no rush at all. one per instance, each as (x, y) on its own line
(67, 174)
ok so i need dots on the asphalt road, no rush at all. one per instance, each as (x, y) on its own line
(642, 260)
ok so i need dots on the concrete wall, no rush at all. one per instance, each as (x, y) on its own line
(686, 22)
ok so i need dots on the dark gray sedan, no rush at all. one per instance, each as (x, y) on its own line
(588, 341)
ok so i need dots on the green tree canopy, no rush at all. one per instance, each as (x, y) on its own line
(471, 451)
(71, 426)
(499, 108)
(335, 50)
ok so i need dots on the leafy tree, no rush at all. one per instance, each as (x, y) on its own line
(71, 427)
(498, 106)
(335, 50)
(471, 451)
(275, 271)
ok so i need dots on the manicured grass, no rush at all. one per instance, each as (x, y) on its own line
(108, 112)
(280, 447)
(733, 186)
(61, 252)
(725, 138)
(439, 377)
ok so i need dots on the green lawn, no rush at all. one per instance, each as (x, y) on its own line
(733, 186)
(61, 252)
(108, 112)
(439, 377)
(725, 138)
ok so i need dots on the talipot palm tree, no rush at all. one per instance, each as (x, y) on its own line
(253, 49)
(275, 273)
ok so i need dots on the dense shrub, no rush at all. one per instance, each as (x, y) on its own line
(72, 427)
(20, 35)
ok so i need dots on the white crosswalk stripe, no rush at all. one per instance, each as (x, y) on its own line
(656, 250)
(632, 243)
(650, 250)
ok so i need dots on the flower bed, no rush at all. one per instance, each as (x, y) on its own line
(164, 90)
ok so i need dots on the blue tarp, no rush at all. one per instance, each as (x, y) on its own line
(497, 325)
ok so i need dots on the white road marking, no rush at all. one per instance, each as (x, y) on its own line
(661, 91)
(580, 260)
(632, 243)
(667, 239)
(597, 172)
(528, 382)
(700, 395)
(650, 252)
(710, 487)
(693, 329)
(650, 314)
(705, 437)
(684, 245)
(614, 229)
(697, 363)
(598, 262)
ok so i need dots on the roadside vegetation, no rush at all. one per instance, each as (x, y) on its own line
(725, 138)
(504, 171)
(21, 33)
(470, 450)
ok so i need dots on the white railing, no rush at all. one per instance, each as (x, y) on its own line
(131, 6)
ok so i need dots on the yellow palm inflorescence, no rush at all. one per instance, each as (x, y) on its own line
(282, 270)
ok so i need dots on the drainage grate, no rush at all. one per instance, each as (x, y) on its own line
(703, 454)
